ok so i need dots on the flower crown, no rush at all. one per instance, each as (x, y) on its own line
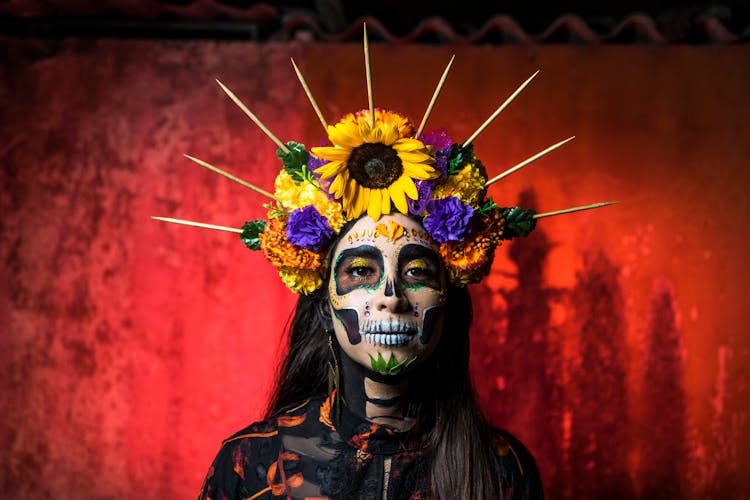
(378, 164)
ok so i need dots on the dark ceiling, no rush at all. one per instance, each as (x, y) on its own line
(430, 22)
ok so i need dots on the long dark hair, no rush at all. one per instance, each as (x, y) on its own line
(464, 464)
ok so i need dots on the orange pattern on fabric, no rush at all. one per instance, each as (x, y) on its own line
(325, 411)
(209, 475)
(360, 441)
(251, 435)
(293, 481)
(291, 420)
(239, 470)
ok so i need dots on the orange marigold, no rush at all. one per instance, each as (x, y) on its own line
(280, 252)
(469, 261)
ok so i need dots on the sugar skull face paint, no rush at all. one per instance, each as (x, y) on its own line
(387, 291)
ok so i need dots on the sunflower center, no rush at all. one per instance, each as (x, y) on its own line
(375, 165)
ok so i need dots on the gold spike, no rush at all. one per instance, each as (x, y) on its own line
(310, 96)
(527, 161)
(232, 177)
(434, 97)
(254, 118)
(369, 76)
(498, 110)
(575, 209)
(198, 224)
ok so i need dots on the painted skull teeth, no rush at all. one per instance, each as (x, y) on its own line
(394, 325)
(388, 333)
(387, 339)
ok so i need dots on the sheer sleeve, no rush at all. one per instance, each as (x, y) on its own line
(242, 465)
(221, 481)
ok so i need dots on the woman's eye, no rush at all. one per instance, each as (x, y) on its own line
(419, 272)
(361, 272)
(414, 272)
(358, 268)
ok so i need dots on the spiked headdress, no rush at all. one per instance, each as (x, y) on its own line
(379, 163)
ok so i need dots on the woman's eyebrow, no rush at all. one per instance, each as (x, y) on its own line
(364, 251)
(413, 251)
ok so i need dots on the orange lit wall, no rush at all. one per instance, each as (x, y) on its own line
(613, 342)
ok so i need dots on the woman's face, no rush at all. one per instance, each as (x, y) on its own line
(387, 291)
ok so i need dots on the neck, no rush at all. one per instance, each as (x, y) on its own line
(377, 398)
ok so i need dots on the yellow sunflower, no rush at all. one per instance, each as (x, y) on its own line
(374, 166)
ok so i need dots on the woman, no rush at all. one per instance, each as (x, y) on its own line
(399, 419)
(379, 233)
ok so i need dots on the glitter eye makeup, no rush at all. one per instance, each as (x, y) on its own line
(358, 267)
(419, 266)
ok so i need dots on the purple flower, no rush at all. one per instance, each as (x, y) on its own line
(314, 162)
(438, 138)
(306, 228)
(448, 219)
(424, 191)
(441, 164)
(441, 143)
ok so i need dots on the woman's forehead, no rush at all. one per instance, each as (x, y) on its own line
(389, 233)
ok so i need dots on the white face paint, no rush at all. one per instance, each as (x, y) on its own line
(387, 290)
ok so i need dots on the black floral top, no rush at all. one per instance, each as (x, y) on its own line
(301, 455)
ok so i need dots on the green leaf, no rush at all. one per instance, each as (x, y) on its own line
(295, 161)
(488, 206)
(250, 232)
(377, 364)
(459, 157)
(518, 222)
(390, 367)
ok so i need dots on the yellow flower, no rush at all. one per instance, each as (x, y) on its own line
(467, 185)
(373, 167)
(301, 280)
(300, 269)
(293, 195)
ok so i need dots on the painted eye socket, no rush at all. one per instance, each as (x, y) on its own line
(419, 271)
(357, 272)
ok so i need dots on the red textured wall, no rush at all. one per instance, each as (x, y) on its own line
(613, 342)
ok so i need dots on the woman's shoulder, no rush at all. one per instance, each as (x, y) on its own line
(257, 430)
(269, 427)
(518, 466)
(509, 448)
(247, 458)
